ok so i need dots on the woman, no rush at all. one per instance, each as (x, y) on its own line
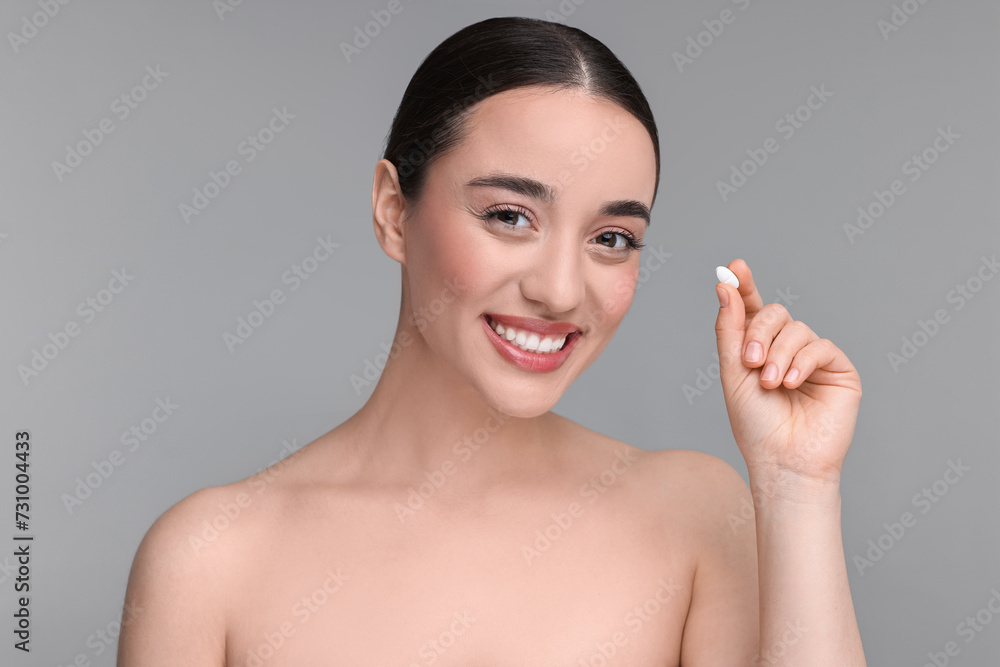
(454, 519)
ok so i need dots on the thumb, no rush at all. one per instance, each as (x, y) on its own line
(730, 330)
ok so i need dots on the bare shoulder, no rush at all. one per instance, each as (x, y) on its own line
(198, 531)
(175, 601)
(693, 470)
(685, 469)
(193, 562)
(171, 543)
(697, 489)
(713, 493)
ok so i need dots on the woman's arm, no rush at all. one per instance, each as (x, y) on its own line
(792, 399)
(770, 588)
(806, 612)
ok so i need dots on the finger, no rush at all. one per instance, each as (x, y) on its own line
(729, 332)
(761, 332)
(752, 302)
(819, 362)
(793, 337)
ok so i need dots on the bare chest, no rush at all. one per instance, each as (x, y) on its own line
(590, 585)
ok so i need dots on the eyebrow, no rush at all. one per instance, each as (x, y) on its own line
(529, 187)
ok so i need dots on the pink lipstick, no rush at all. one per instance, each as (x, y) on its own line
(531, 361)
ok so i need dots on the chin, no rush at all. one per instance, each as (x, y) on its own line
(523, 407)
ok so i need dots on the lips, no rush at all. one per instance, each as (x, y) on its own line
(541, 327)
(532, 361)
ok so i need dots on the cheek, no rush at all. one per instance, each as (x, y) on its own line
(464, 260)
(615, 296)
(446, 264)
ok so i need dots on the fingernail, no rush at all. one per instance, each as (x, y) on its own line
(723, 296)
(755, 352)
(792, 375)
(726, 276)
(770, 372)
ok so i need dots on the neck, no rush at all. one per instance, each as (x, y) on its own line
(423, 418)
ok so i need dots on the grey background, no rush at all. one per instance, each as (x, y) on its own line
(163, 335)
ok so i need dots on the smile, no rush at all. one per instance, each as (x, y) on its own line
(531, 344)
(528, 340)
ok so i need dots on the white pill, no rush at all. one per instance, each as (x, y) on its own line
(726, 276)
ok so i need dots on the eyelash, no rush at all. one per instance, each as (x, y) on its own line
(490, 213)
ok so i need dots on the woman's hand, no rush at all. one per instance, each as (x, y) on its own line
(797, 424)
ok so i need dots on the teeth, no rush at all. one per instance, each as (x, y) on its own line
(529, 341)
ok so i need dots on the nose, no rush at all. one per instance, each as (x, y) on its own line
(555, 277)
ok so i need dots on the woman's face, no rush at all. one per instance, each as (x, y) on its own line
(531, 216)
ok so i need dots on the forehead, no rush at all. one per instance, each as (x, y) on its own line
(572, 141)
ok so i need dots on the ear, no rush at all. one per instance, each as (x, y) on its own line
(388, 206)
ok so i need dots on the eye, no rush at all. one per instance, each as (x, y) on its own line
(619, 240)
(506, 215)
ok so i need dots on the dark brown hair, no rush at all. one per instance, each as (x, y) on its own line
(487, 58)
